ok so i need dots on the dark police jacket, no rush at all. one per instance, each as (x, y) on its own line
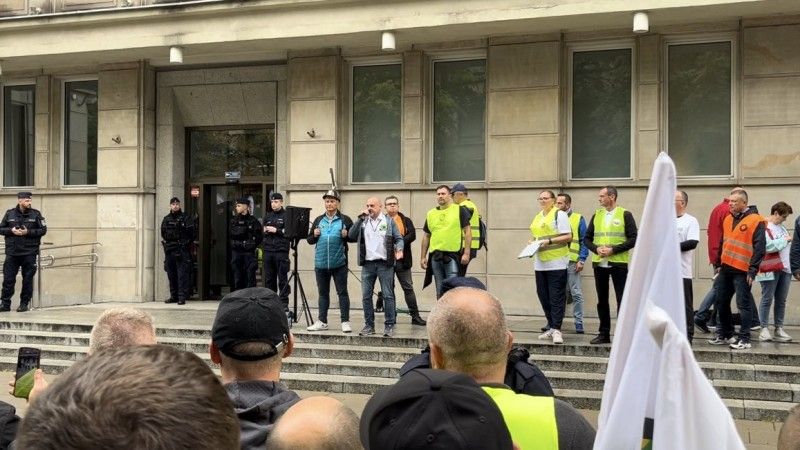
(276, 242)
(245, 233)
(177, 230)
(409, 237)
(23, 245)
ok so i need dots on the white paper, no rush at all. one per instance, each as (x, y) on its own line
(530, 250)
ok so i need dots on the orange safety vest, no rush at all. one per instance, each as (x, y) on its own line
(737, 242)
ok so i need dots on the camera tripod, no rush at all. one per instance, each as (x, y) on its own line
(298, 287)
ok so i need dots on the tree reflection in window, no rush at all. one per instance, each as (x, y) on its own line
(250, 151)
(376, 123)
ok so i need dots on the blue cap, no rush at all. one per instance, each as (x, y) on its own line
(459, 187)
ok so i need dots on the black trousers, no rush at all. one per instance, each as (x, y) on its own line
(733, 281)
(276, 271)
(688, 298)
(404, 277)
(178, 264)
(10, 268)
(244, 265)
(462, 268)
(551, 287)
(618, 275)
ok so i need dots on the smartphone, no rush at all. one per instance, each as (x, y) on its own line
(28, 360)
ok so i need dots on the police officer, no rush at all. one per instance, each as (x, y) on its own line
(177, 233)
(246, 235)
(23, 228)
(276, 249)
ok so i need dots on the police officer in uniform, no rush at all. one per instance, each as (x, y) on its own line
(246, 235)
(276, 249)
(23, 228)
(177, 233)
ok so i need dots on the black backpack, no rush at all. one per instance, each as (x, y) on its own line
(483, 230)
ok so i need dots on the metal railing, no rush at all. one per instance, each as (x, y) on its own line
(49, 261)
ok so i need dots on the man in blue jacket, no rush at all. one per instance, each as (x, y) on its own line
(329, 234)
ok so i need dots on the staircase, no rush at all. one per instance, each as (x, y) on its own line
(758, 385)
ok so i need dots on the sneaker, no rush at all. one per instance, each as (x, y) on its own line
(718, 340)
(367, 331)
(346, 328)
(23, 308)
(741, 345)
(547, 334)
(557, 337)
(781, 336)
(701, 324)
(764, 335)
(601, 339)
(5, 308)
(318, 326)
(417, 320)
(579, 328)
(755, 328)
(388, 331)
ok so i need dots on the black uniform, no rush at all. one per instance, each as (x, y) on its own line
(177, 233)
(21, 251)
(276, 256)
(246, 235)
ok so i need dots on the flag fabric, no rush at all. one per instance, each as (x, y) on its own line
(632, 386)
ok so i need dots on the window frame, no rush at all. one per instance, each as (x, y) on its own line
(351, 64)
(3, 86)
(620, 44)
(451, 56)
(63, 119)
(705, 38)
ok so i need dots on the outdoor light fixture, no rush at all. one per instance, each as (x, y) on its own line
(641, 23)
(388, 41)
(176, 55)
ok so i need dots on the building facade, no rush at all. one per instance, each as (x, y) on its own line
(509, 97)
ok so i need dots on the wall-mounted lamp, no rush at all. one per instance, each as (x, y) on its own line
(176, 55)
(117, 139)
(641, 23)
(35, 10)
(388, 41)
(312, 134)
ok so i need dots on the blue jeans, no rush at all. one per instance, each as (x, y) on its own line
(339, 276)
(777, 288)
(732, 281)
(442, 271)
(574, 285)
(385, 275)
(709, 300)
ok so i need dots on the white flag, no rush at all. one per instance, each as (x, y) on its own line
(632, 387)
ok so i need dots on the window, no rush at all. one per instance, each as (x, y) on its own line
(250, 151)
(601, 103)
(699, 108)
(80, 132)
(459, 120)
(377, 99)
(18, 135)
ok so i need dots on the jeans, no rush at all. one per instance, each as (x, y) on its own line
(574, 283)
(704, 311)
(551, 288)
(442, 270)
(618, 275)
(734, 281)
(778, 289)
(339, 276)
(385, 275)
(406, 283)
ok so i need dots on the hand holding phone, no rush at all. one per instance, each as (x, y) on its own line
(28, 360)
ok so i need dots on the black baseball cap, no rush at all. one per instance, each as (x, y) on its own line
(174, 200)
(250, 315)
(242, 201)
(276, 196)
(23, 194)
(433, 409)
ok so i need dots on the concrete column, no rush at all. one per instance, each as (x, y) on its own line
(648, 105)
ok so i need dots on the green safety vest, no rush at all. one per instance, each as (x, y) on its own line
(575, 244)
(530, 420)
(445, 228)
(613, 235)
(474, 223)
(542, 228)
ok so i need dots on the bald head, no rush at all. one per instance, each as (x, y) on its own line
(316, 422)
(374, 207)
(468, 334)
(789, 437)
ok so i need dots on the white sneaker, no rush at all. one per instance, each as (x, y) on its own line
(764, 335)
(781, 336)
(741, 345)
(557, 337)
(318, 326)
(346, 327)
(755, 328)
(547, 334)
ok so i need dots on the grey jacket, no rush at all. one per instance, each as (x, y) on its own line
(258, 406)
(393, 241)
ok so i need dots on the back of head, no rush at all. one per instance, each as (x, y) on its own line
(433, 409)
(121, 327)
(789, 438)
(154, 397)
(322, 423)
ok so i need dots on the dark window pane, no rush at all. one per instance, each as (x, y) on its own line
(601, 114)
(18, 135)
(214, 152)
(459, 118)
(80, 132)
(699, 86)
(376, 123)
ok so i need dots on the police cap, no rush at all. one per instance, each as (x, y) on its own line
(23, 194)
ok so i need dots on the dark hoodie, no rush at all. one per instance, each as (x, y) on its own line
(258, 406)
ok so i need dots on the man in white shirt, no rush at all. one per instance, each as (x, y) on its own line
(688, 236)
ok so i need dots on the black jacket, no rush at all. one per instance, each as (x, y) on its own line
(23, 245)
(177, 230)
(245, 233)
(409, 236)
(275, 242)
(794, 253)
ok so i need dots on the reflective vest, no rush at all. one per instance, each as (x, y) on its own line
(445, 228)
(474, 223)
(530, 420)
(542, 228)
(737, 243)
(575, 243)
(613, 235)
